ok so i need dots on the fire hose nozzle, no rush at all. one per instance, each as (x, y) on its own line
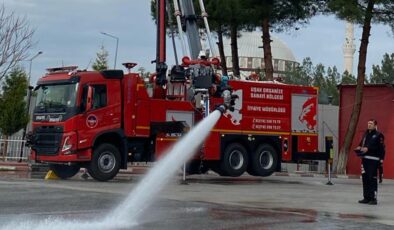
(221, 108)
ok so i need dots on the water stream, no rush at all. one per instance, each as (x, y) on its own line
(127, 213)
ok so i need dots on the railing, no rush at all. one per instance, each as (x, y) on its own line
(305, 167)
(16, 149)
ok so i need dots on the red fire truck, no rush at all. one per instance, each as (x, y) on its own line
(103, 120)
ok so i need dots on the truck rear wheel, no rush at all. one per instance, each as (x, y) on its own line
(234, 161)
(264, 161)
(64, 171)
(105, 163)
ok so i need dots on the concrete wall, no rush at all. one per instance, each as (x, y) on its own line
(328, 125)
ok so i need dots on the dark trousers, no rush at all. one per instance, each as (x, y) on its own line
(369, 172)
(380, 168)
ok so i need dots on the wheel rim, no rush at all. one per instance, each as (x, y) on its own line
(106, 162)
(236, 159)
(266, 160)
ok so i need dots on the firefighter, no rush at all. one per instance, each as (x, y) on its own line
(369, 151)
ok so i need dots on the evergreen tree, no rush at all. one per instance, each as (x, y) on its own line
(101, 62)
(218, 22)
(227, 18)
(308, 74)
(384, 73)
(301, 75)
(278, 15)
(348, 79)
(333, 79)
(13, 110)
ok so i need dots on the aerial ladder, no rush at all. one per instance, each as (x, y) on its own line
(194, 77)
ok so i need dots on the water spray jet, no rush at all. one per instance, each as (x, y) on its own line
(146, 191)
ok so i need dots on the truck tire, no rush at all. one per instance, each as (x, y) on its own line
(64, 171)
(250, 170)
(234, 161)
(105, 163)
(264, 161)
(216, 167)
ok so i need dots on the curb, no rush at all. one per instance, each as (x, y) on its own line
(142, 169)
(7, 168)
(319, 175)
(13, 166)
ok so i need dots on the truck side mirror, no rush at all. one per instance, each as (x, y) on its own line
(89, 99)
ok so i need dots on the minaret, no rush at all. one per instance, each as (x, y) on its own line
(349, 48)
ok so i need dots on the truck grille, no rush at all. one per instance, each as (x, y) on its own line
(47, 140)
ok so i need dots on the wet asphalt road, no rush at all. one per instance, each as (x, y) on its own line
(207, 202)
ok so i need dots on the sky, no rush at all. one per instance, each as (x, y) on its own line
(68, 33)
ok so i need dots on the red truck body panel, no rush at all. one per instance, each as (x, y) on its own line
(272, 109)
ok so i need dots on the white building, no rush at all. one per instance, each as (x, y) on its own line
(251, 54)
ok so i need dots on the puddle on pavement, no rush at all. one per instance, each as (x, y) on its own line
(356, 216)
(238, 180)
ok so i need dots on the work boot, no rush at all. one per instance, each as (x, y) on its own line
(364, 201)
(373, 202)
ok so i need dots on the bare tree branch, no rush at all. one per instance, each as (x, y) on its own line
(15, 40)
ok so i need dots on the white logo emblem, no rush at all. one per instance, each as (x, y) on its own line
(235, 116)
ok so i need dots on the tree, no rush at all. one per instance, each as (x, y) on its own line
(333, 79)
(13, 110)
(217, 21)
(236, 19)
(301, 75)
(278, 15)
(384, 74)
(363, 12)
(308, 74)
(227, 18)
(15, 40)
(101, 62)
(348, 79)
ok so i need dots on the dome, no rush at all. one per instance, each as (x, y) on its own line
(251, 55)
(250, 45)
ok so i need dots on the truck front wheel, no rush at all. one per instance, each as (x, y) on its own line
(264, 160)
(64, 171)
(105, 163)
(234, 161)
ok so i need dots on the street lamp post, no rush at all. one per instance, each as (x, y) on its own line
(29, 89)
(28, 81)
(117, 43)
(30, 64)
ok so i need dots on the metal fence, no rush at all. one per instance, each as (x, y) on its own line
(16, 149)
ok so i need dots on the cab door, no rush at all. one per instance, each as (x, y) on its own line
(104, 115)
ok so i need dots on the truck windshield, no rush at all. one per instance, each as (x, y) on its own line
(56, 98)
